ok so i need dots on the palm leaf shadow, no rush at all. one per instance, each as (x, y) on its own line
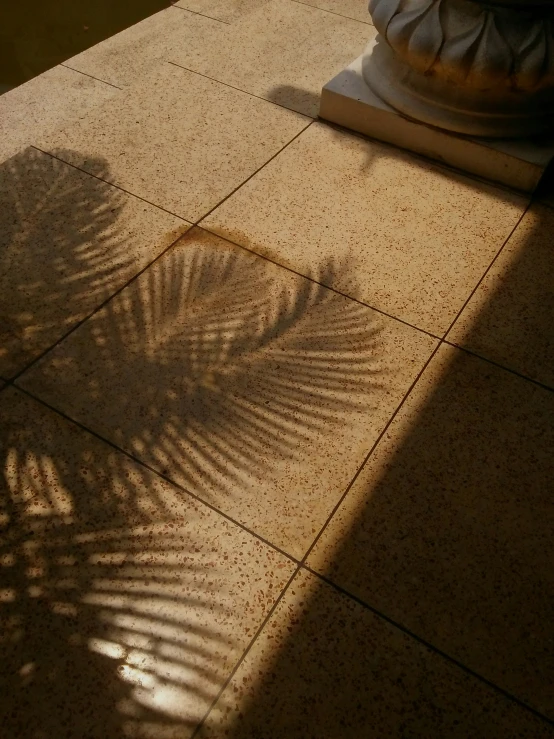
(109, 615)
(215, 365)
(61, 251)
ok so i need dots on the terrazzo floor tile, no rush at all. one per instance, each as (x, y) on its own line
(284, 52)
(179, 140)
(45, 103)
(356, 9)
(257, 390)
(420, 237)
(68, 241)
(126, 57)
(324, 666)
(228, 11)
(124, 603)
(509, 319)
(448, 528)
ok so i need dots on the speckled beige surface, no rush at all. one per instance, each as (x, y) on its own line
(126, 57)
(326, 667)
(124, 603)
(234, 10)
(48, 102)
(180, 140)
(256, 389)
(509, 319)
(284, 52)
(228, 11)
(68, 241)
(420, 237)
(356, 9)
(448, 528)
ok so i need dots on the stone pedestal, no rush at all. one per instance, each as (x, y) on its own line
(467, 83)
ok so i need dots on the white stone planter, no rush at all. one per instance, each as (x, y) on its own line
(466, 82)
(479, 68)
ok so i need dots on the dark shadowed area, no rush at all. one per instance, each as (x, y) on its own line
(35, 35)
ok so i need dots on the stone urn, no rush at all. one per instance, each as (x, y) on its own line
(477, 68)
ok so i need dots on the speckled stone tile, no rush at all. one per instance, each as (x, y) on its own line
(420, 236)
(324, 666)
(45, 103)
(509, 319)
(128, 56)
(284, 52)
(124, 604)
(448, 528)
(68, 241)
(180, 140)
(356, 9)
(228, 11)
(256, 389)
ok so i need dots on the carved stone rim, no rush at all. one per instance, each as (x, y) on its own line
(461, 110)
(471, 44)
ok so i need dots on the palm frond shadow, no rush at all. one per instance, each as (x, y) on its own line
(215, 364)
(107, 604)
(61, 251)
(212, 367)
(112, 618)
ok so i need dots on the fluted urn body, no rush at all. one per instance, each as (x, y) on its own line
(476, 68)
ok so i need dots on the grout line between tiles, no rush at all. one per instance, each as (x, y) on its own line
(312, 279)
(195, 12)
(485, 273)
(245, 653)
(333, 12)
(156, 472)
(427, 644)
(239, 89)
(441, 341)
(96, 310)
(205, 215)
(377, 613)
(301, 563)
(86, 74)
(497, 364)
(112, 184)
(191, 224)
(176, 7)
(368, 455)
